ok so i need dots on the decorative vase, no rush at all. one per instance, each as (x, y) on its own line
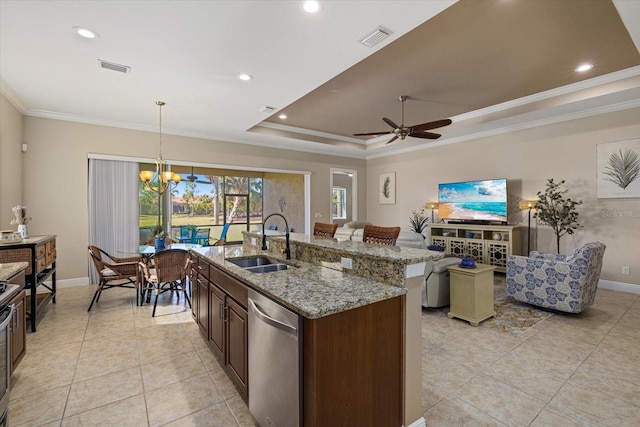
(159, 244)
(497, 236)
(22, 229)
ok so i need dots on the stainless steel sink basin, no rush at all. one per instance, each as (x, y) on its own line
(252, 261)
(267, 268)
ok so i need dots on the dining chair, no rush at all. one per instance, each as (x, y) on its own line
(324, 229)
(223, 236)
(202, 236)
(113, 272)
(169, 274)
(380, 235)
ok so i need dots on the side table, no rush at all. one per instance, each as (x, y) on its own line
(472, 293)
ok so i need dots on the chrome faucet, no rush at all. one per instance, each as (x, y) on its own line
(287, 251)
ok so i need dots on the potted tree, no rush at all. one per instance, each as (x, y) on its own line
(557, 211)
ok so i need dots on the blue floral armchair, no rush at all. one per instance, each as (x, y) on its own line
(559, 282)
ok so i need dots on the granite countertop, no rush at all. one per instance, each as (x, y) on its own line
(310, 290)
(9, 269)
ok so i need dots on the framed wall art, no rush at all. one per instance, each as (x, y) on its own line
(387, 191)
(618, 167)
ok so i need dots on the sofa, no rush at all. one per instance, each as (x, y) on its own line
(435, 292)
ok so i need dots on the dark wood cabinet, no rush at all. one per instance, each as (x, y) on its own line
(193, 286)
(217, 302)
(18, 340)
(222, 307)
(18, 327)
(237, 333)
(353, 366)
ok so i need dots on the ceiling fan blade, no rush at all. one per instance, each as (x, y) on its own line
(425, 135)
(431, 125)
(392, 139)
(390, 123)
(372, 133)
(203, 182)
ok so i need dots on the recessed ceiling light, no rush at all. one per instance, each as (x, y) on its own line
(311, 6)
(85, 32)
(584, 67)
(282, 116)
(245, 77)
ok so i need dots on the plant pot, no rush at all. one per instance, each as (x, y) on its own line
(159, 243)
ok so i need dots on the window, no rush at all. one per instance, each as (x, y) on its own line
(203, 200)
(339, 203)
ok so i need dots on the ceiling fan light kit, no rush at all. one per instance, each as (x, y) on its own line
(416, 131)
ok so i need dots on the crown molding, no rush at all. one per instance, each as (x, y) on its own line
(11, 96)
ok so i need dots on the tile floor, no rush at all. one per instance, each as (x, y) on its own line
(118, 366)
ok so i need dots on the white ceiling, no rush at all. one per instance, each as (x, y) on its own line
(188, 54)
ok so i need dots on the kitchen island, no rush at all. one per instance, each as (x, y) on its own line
(361, 326)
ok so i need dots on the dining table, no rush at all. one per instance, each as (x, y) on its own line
(148, 251)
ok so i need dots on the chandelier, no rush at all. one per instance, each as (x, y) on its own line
(160, 179)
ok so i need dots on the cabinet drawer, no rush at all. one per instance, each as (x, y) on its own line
(40, 251)
(50, 252)
(236, 289)
(202, 267)
(41, 263)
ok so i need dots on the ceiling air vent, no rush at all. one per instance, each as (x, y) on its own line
(376, 36)
(114, 67)
(267, 109)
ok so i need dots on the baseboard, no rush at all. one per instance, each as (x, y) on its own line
(619, 286)
(69, 283)
(420, 422)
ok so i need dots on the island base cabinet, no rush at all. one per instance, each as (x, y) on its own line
(353, 366)
(237, 355)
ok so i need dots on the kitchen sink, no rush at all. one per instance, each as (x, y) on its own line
(267, 268)
(252, 261)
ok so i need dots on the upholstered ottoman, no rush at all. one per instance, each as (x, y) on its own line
(436, 290)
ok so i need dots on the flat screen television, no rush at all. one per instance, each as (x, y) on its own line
(473, 201)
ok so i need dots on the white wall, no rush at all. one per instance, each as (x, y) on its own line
(527, 159)
(11, 125)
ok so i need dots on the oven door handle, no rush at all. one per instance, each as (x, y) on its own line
(9, 309)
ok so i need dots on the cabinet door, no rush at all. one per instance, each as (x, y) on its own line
(193, 286)
(216, 318)
(18, 331)
(237, 333)
(203, 304)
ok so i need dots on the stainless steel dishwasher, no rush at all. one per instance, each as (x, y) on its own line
(275, 345)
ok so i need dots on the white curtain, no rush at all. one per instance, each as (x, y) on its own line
(113, 208)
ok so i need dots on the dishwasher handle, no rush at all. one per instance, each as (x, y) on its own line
(271, 321)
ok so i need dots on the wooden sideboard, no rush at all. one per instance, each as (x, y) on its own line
(40, 253)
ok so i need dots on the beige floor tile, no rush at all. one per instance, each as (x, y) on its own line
(608, 380)
(180, 399)
(456, 412)
(36, 379)
(217, 415)
(225, 385)
(240, 411)
(525, 377)
(123, 413)
(150, 351)
(100, 391)
(209, 360)
(500, 401)
(549, 418)
(41, 408)
(437, 367)
(171, 369)
(107, 344)
(470, 355)
(105, 363)
(48, 356)
(432, 394)
(578, 401)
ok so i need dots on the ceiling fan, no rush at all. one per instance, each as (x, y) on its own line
(194, 178)
(416, 131)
